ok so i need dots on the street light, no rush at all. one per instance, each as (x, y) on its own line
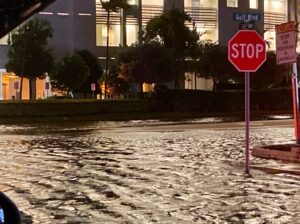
(107, 45)
(110, 6)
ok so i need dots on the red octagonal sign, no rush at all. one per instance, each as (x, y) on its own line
(247, 50)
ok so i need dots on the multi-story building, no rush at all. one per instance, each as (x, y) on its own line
(81, 24)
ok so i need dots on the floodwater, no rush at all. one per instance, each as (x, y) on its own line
(144, 172)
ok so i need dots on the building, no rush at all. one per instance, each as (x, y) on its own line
(10, 86)
(81, 24)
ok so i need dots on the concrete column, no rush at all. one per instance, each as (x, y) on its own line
(47, 91)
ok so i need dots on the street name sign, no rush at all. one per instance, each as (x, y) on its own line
(246, 17)
(247, 50)
(286, 43)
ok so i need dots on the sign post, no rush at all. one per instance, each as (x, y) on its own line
(247, 52)
(16, 87)
(93, 88)
(286, 42)
(47, 87)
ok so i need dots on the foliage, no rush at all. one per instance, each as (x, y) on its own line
(114, 5)
(169, 29)
(213, 63)
(70, 73)
(149, 63)
(269, 74)
(95, 71)
(172, 100)
(28, 52)
(117, 84)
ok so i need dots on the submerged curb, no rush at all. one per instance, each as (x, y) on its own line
(289, 152)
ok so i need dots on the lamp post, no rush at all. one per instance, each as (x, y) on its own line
(107, 47)
(110, 6)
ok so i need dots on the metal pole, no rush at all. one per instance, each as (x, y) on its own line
(247, 121)
(107, 54)
(296, 102)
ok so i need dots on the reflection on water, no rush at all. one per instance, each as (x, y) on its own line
(1, 216)
(130, 172)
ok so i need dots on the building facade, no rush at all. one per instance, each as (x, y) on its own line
(81, 24)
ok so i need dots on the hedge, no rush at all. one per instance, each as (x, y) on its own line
(161, 101)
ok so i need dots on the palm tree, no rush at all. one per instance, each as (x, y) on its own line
(110, 6)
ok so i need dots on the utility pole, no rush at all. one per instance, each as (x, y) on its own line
(107, 55)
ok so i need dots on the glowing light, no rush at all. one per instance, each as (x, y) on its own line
(277, 4)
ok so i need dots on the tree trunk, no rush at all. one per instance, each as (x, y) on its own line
(107, 55)
(141, 93)
(32, 88)
(215, 83)
(195, 80)
(21, 88)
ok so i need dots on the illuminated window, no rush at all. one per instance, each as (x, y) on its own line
(132, 2)
(153, 2)
(253, 4)
(208, 34)
(269, 36)
(192, 3)
(3, 40)
(200, 3)
(209, 3)
(232, 3)
(131, 34)
(101, 35)
(275, 6)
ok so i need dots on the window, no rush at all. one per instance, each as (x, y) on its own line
(270, 37)
(253, 4)
(209, 3)
(3, 40)
(275, 6)
(101, 35)
(132, 2)
(208, 34)
(153, 2)
(232, 3)
(131, 34)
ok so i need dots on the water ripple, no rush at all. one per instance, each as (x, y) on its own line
(128, 173)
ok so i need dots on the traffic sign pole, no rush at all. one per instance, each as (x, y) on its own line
(247, 122)
(247, 52)
(296, 104)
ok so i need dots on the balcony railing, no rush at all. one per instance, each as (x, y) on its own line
(201, 16)
(148, 12)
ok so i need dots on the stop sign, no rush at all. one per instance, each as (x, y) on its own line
(247, 50)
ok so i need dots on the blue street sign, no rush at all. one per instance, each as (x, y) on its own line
(246, 17)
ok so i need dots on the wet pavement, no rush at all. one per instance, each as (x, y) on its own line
(145, 172)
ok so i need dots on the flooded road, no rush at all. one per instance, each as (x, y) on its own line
(145, 172)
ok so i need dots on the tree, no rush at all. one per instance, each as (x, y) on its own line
(28, 54)
(269, 74)
(70, 73)
(110, 6)
(116, 83)
(170, 30)
(95, 71)
(147, 63)
(212, 63)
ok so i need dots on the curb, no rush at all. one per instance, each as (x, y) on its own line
(289, 152)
